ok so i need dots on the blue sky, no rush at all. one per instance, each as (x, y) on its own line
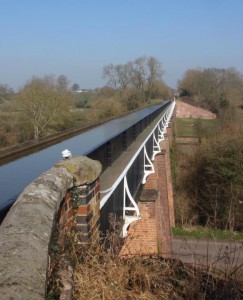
(77, 38)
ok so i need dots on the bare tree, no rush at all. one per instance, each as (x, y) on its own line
(155, 73)
(139, 75)
(136, 81)
(124, 75)
(212, 88)
(62, 83)
(40, 103)
(110, 73)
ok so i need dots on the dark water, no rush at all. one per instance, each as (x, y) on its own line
(16, 175)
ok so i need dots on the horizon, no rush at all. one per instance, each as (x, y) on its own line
(77, 39)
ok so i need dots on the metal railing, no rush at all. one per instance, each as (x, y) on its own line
(119, 198)
(111, 149)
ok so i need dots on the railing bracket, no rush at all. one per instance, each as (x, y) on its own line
(128, 211)
(148, 166)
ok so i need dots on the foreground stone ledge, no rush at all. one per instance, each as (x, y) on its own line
(25, 233)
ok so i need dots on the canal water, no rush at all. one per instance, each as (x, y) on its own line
(16, 175)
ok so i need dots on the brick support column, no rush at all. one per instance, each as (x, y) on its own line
(87, 214)
(152, 233)
(142, 236)
(80, 209)
(66, 212)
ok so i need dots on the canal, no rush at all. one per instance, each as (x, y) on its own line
(16, 175)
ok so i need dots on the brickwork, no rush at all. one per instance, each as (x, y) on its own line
(66, 212)
(142, 237)
(80, 209)
(184, 110)
(152, 233)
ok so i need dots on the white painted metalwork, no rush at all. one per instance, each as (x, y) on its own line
(127, 210)
(156, 147)
(161, 127)
(148, 167)
(161, 132)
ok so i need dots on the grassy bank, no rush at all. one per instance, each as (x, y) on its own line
(193, 127)
(200, 232)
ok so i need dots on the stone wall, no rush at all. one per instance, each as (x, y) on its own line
(26, 232)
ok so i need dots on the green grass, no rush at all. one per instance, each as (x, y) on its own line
(206, 233)
(193, 127)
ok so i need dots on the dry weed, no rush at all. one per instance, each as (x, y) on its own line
(100, 273)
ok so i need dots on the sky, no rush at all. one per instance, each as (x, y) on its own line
(78, 38)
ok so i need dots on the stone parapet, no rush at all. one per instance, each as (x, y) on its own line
(26, 231)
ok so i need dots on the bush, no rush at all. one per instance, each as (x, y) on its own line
(214, 179)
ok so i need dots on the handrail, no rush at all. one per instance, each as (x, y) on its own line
(167, 114)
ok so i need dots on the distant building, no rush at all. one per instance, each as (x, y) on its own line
(85, 91)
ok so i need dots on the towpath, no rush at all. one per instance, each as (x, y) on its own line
(224, 255)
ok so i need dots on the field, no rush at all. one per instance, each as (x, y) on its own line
(193, 127)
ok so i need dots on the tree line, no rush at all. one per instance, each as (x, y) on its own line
(212, 88)
(45, 105)
(137, 81)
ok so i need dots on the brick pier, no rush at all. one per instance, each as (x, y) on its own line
(152, 233)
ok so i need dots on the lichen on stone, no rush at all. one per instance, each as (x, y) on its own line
(83, 169)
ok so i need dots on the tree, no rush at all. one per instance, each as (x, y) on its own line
(212, 88)
(123, 75)
(41, 104)
(110, 72)
(6, 93)
(139, 72)
(62, 83)
(155, 73)
(5, 90)
(136, 81)
(75, 87)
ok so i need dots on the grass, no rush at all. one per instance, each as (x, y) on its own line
(199, 232)
(193, 127)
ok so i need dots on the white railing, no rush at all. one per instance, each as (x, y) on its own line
(158, 135)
